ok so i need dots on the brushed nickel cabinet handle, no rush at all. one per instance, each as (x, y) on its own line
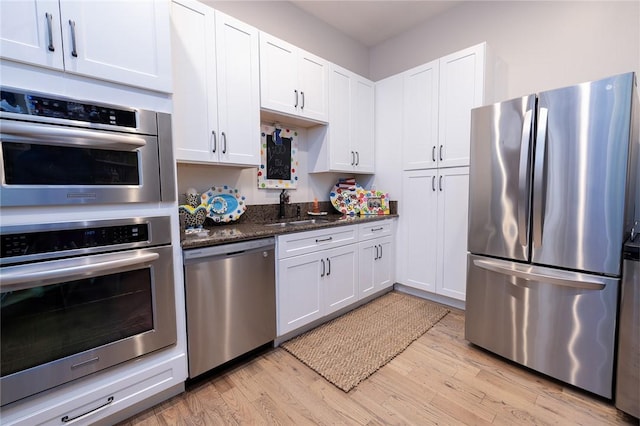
(50, 31)
(74, 49)
(323, 239)
(67, 419)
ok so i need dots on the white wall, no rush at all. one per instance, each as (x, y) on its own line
(544, 44)
(290, 23)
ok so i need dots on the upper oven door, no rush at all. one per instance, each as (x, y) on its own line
(45, 164)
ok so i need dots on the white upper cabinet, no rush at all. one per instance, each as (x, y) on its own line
(420, 118)
(121, 42)
(292, 81)
(347, 144)
(30, 32)
(462, 77)
(438, 98)
(216, 87)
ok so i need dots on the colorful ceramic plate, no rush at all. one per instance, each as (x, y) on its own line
(224, 204)
(346, 197)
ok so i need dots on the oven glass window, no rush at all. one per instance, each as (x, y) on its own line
(35, 164)
(42, 324)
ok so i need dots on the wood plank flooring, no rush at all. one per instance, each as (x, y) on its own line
(439, 379)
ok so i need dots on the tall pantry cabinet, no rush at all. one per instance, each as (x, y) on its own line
(436, 104)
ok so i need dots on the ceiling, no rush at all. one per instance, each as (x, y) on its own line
(372, 22)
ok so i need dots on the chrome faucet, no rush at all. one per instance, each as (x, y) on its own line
(284, 199)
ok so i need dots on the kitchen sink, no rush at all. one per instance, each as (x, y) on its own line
(297, 222)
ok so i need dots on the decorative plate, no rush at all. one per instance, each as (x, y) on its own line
(347, 196)
(224, 204)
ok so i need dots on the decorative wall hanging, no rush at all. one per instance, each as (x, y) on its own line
(279, 157)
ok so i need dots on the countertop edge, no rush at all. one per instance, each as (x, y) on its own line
(236, 232)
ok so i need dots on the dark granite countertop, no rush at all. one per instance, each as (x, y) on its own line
(249, 230)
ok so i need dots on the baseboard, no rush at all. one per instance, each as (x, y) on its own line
(458, 304)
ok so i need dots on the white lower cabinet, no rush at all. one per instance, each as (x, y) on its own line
(376, 263)
(316, 284)
(434, 231)
(340, 280)
(376, 257)
(299, 291)
(320, 272)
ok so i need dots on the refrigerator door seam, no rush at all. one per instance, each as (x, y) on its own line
(523, 184)
(538, 178)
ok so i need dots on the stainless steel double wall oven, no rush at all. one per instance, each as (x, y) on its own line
(79, 296)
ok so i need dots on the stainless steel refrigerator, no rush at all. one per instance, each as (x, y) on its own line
(552, 178)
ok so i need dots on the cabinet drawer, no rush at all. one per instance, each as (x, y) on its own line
(367, 231)
(99, 398)
(308, 242)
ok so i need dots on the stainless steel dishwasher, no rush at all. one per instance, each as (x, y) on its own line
(230, 301)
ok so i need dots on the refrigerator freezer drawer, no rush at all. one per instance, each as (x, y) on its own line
(556, 322)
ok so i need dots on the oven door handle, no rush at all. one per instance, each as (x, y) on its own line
(20, 277)
(65, 136)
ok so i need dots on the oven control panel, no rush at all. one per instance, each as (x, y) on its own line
(24, 244)
(20, 102)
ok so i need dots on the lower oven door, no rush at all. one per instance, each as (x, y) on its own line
(65, 319)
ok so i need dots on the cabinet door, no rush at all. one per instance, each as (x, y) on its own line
(278, 75)
(341, 155)
(300, 280)
(420, 120)
(30, 32)
(313, 87)
(376, 259)
(341, 278)
(419, 229)
(383, 271)
(195, 132)
(367, 257)
(363, 140)
(453, 202)
(123, 42)
(238, 86)
(461, 89)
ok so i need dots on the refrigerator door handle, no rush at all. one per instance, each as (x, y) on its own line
(547, 275)
(538, 177)
(523, 179)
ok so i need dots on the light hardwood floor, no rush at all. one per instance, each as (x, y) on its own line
(439, 379)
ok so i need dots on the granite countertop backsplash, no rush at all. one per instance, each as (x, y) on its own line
(253, 223)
